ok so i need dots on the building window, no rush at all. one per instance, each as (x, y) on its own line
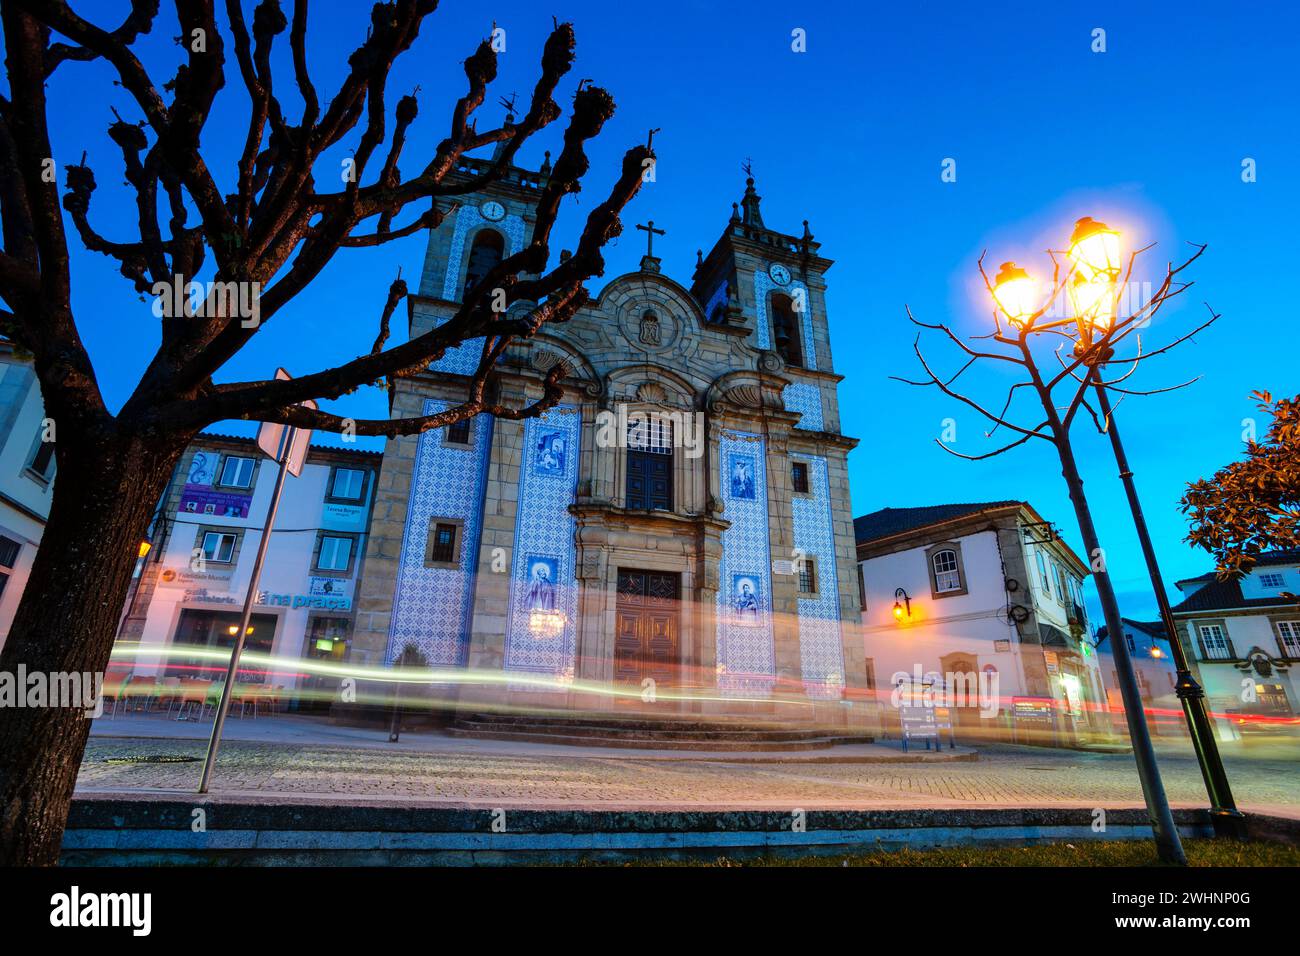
(785, 330)
(458, 433)
(1271, 580)
(1215, 643)
(807, 569)
(799, 477)
(9, 549)
(237, 472)
(1043, 576)
(1288, 633)
(41, 463)
(443, 545)
(649, 484)
(946, 575)
(1132, 649)
(347, 484)
(862, 589)
(484, 255)
(219, 546)
(335, 553)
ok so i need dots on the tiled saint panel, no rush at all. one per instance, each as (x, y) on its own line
(746, 654)
(820, 647)
(807, 400)
(432, 606)
(763, 284)
(464, 359)
(543, 641)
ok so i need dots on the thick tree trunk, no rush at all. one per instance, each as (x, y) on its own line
(104, 495)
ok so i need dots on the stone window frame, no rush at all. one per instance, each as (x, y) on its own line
(203, 530)
(467, 249)
(458, 544)
(807, 492)
(930, 554)
(677, 467)
(1222, 625)
(815, 593)
(444, 436)
(1294, 624)
(797, 328)
(347, 572)
(366, 476)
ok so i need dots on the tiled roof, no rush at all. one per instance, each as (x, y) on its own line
(891, 521)
(1224, 595)
(1154, 628)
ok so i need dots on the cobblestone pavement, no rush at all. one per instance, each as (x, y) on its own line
(1267, 780)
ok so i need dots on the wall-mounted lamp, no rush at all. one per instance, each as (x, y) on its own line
(903, 610)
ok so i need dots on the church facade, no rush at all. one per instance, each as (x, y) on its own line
(675, 533)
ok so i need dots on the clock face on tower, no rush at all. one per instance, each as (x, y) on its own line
(779, 273)
(493, 210)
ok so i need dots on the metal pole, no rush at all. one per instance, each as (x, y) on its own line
(1227, 819)
(1165, 831)
(224, 707)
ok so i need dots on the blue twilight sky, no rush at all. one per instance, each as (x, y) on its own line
(851, 134)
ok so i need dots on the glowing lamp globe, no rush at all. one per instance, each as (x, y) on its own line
(1015, 293)
(1093, 300)
(898, 611)
(1094, 249)
(145, 545)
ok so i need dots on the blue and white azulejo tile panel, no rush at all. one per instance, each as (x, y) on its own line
(806, 399)
(432, 607)
(542, 622)
(820, 644)
(746, 654)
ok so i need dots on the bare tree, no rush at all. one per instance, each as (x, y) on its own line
(275, 229)
(1092, 348)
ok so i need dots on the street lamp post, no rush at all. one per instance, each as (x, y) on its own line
(1016, 295)
(1021, 318)
(1095, 253)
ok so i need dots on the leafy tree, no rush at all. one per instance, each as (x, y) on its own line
(270, 223)
(1251, 506)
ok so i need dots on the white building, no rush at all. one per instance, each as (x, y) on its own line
(989, 589)
(1153, 666)
(26, 477)
(190, 588)
(1244, 636)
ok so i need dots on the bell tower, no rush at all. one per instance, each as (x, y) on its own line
(769, 284)
(482, 228)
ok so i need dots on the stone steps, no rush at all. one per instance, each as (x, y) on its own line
(664, 733)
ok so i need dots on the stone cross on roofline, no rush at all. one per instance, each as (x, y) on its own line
(649, 263)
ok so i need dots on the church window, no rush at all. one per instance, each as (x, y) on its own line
(799, 477)
(807, 576)
(785, 331)
(443, 546)
(649, 463)
(458, 432)
(487, 250)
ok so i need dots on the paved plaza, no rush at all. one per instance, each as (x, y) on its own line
(310, 761)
